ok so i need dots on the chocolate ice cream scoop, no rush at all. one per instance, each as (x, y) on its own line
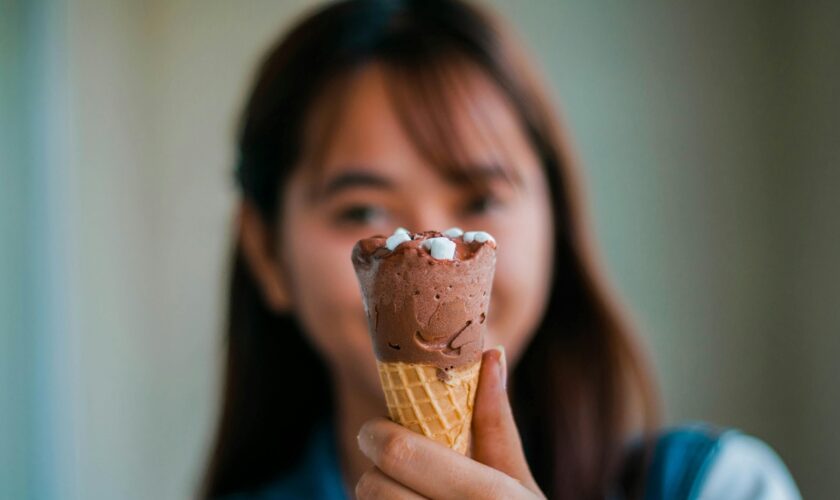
(426, 295)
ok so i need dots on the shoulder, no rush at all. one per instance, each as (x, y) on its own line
(746, 467)
(702, 461)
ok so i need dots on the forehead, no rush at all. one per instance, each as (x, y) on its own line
(365, 125)
(450, 118)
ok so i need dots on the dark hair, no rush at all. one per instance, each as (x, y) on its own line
(580, 380)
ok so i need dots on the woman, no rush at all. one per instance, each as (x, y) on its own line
(371, 115)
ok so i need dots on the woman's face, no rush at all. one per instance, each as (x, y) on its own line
(371, 180)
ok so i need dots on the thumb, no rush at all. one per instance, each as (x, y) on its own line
(495, 438)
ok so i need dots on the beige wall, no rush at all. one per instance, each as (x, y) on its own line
(707, 132)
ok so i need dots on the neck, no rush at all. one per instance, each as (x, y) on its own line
(353, 408)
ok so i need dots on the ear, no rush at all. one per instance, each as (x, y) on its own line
(258, 249)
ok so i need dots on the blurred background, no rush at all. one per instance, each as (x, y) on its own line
(709, 136)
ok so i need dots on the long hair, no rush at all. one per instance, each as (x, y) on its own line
(580, 380)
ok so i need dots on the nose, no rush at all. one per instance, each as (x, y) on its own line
(431, 216)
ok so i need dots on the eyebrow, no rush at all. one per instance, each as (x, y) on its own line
(484, 172)
(354, 178)
(362, 177)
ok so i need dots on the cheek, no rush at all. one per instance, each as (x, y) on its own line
(326, 297)
(523, 273)
(322, 278)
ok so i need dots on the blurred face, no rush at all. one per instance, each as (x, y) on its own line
(370, 179)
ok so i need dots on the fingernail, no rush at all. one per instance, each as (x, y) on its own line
(502, 365)
(364, 439)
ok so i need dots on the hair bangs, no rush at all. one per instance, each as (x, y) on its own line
(441, 100)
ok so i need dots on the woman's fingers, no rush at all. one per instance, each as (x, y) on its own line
(374, 484)
(418, 464)
(430, 468)
(496, 439)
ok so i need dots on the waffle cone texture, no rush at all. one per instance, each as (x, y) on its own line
(418, 400)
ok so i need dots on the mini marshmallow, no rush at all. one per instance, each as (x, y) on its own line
(400, 230)
(396, 240)
(478, 236)
(453, 232)
(440, 248)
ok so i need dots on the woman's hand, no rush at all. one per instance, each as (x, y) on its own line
(408, 465)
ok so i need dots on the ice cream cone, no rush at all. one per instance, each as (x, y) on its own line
(426, 297)
(420, 401)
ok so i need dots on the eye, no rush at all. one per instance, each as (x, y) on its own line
(481, 204)
(361, 214)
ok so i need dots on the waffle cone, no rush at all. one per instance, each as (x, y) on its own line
(418, 400)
